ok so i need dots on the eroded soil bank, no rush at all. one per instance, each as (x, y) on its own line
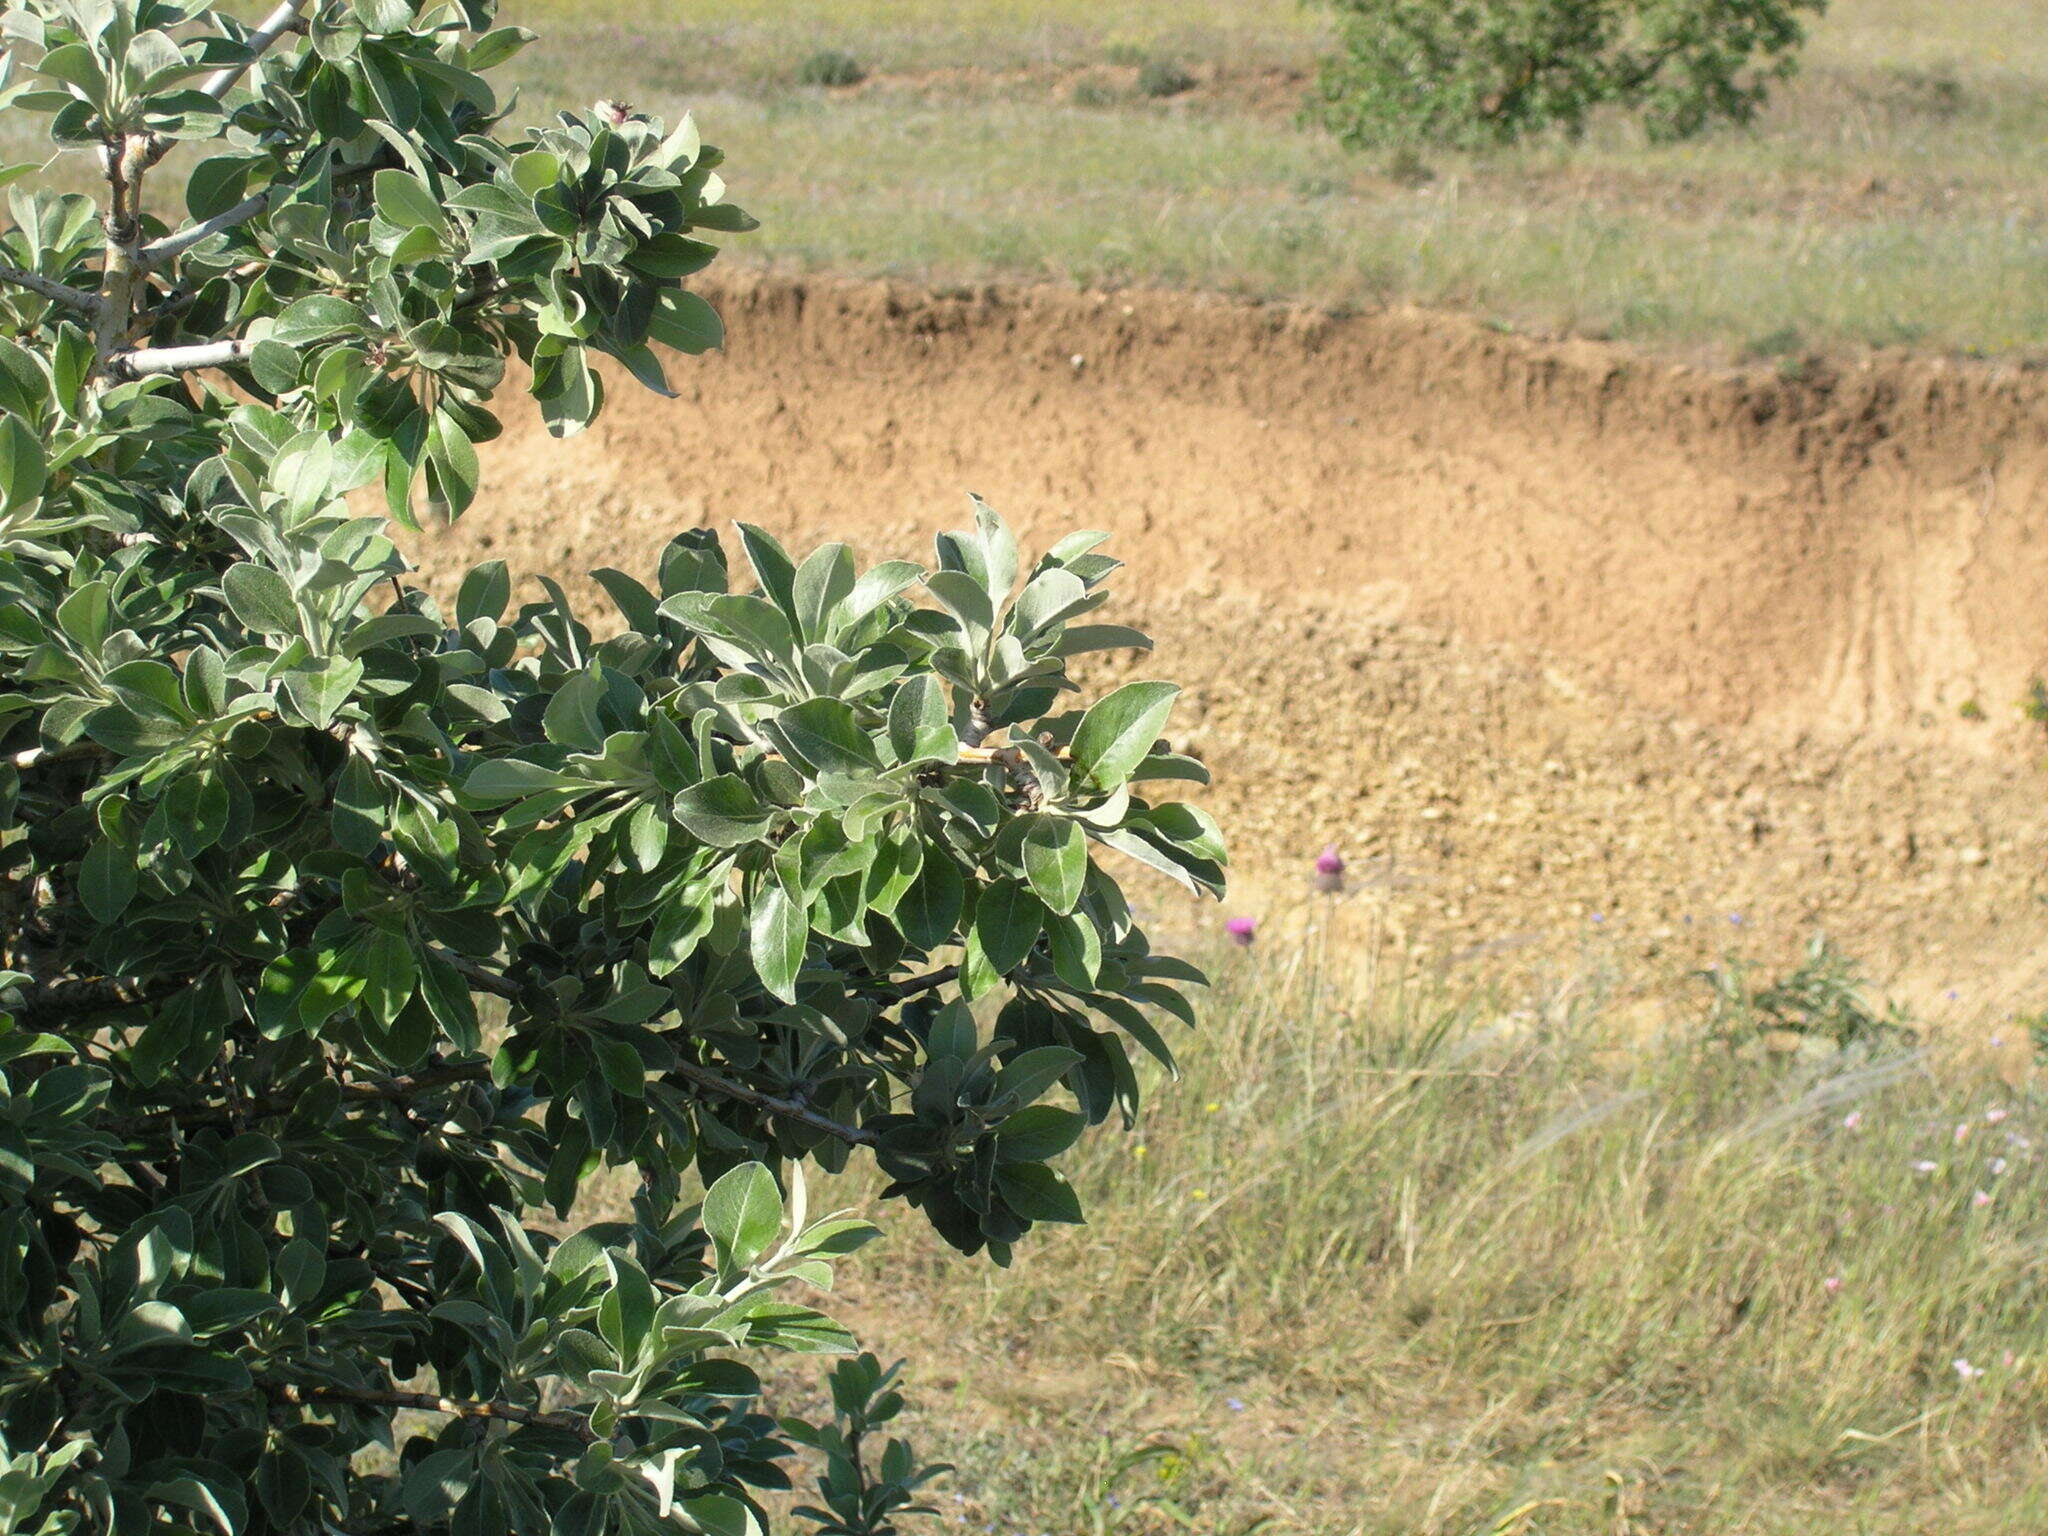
(1567, 648)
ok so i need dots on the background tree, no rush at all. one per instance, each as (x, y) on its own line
(344, 937)
(1475, 74)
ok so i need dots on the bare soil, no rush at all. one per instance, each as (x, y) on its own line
(1564, 646)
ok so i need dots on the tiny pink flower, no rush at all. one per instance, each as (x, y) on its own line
(1832, 1285)
(614, 112)
(1242, 930)
(1962, 1131)
(2007, 1359)
(1330, 869)
(1966, 1371)
(1999, 1165)
(1993, 1116)
(1852, 1120)
(1981, 1199)
(1925, 1165)
(2015, 1139)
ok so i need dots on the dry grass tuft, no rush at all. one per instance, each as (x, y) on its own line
(1406, 1262)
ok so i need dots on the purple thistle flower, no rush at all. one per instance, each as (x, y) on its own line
(1242, 930)
(1330, 870)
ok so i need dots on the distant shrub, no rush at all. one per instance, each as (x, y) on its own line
(2035, 705)
(1772, 345)
(1907, 93)
(1824, 998)
(1162, 77)
(1481, 73)
(831, 66)
(1093, 94)
(1407, 168)
(1125, 55)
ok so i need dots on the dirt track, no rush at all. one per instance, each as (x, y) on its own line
(1563, 643)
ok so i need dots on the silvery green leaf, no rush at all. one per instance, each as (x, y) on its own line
(963, 596)
(1056, 861)
(825, 736)
(1047, 599)
(920, 723)
(742, 1215)
(821, 584)
(1008, 919)
(1117, 732)
(779, 931)
(998, 548)
(319, 689)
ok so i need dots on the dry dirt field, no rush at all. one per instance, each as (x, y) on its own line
(1570, 650)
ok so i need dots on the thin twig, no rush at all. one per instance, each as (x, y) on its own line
(911, 988)
(96, 994)
(397, 1090)
(217, 85)
(783, 1109)
(768, 1103)
(157, 252)
(39, 757)
(275, 25)
(148, 360)
(970, 757)
(51, 289)
(428, 1402)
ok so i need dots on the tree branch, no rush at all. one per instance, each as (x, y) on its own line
(124, 159)
(917, 984)
(51, 289)
(768, 1103)
(428, 1402)
(37, 757)
(69, 999)
(217, 85)
(783, 1109)
(703, 1077)
(157, 252)
(275, 25)
(148, 360)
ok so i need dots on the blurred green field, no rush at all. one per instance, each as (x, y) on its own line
(1404, 1262)
(1895, 194)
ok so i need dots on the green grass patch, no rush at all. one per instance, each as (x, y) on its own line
(1396, 1261)
(1894, 195)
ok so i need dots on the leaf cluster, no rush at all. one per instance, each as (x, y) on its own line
(346, 934)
